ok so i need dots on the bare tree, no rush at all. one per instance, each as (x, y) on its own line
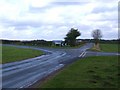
(97, 35)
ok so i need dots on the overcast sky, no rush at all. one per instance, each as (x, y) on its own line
(52, 19)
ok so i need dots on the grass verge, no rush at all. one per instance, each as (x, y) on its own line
(106, 48)
(12, 54)
(94, 49)
(0, 53)
(90, 72)
(109, 47)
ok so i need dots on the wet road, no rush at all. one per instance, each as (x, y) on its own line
(23, 74)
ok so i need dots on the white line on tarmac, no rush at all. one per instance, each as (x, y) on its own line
(82, 55)
(117, 54)
(46, 73)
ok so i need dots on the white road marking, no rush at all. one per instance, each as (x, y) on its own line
(46, 73)
(117, 54)
(83, 54)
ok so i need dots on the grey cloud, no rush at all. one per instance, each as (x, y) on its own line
(56, 32)
(111, 17)
(104, 27)
(111, 35)
(68, 3)
(108, 19)
(39, 9)
(5, 21)
(103, 9)
(53, 5)
(27, 23)
(108, 1)
(19, 25)
(84, 27)
(108, 32)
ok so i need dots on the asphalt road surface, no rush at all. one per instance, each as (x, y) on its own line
(22, 74)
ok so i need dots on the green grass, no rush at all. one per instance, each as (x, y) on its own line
(11, 54)
(0, 53)
(109, 47)
(94, 50)
(90, 72)
(106, 48)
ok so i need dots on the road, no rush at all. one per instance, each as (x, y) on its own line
(22, 74)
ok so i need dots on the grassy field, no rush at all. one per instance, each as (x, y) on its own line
(106, 48)
(109, 47)
(11, 54)
(90, 72)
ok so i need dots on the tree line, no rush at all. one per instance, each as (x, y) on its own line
(49, 43)
(70, 39)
